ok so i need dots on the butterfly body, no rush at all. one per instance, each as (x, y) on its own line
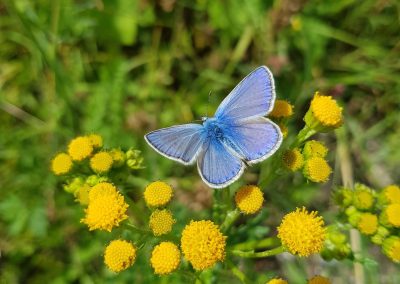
(237, 135)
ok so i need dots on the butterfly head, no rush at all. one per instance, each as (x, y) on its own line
(204, 118)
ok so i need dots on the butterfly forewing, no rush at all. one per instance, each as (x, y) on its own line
(254, 96)
(180, 143)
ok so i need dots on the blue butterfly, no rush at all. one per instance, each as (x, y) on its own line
(238, 134)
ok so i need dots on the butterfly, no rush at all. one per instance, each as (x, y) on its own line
(238, 135)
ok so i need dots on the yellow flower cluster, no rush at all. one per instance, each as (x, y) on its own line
(310, 159)
(282, 109)
(106, 209)
(158, 194)
(101, 162)
(324, 114)
(203, 244)
(302, 233)
(161, 222)
(119, 255)
(165, 258)
(375, 214)
(293, 159)
(249, 199)
(61, 164)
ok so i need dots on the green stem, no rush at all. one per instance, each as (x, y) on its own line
(262, 254)
(303, 135)
(230, 218)
(239, 274)
(137, 229)
(257, 244)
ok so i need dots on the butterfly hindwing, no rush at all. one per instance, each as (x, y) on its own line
(180, 143)
(254, 140)
(217, 166)
(254, 96)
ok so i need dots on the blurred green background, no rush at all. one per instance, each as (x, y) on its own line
(121, 68)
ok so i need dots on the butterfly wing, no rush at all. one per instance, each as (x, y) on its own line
(217, 166)
(254, 96)
(254, 139)
(179, 143)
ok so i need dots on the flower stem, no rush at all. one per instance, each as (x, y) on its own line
(303, 135)
(257, 244)
(230, 218)
(262, 254)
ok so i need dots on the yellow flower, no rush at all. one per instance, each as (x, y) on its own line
(102, 188)
(157, 194)
(80, 148)
(317, 169)
(284, 130)
(105, 212)
(315, 148)
(363, 198)
(293, 159)
(277, 281)
(96, 140)
(119, 255)
(324, 114)
(367, 223)
(318, 279)
(203, 244)
(101, 162)
(165, 258)
(391, 248)
(390, 194)
(391, 215)
(281, 109)
(302, 233)
(161, 222)
(61, 164)
(249, 199)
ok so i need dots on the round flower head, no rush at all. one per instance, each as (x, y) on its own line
(165, 258)
(277, 281)
(343, 196)
(302, 233)
(92, 180)
(96, 140)
(105, 212)
(161, 222)
(101, 162)
(119, 255)
(390, 194)
(367, 223)
(318, 279)
(317, 169)
(157, 194)
(380, 235)
(324, 114)
(363, 198)
(391, 248)
(390, 215)
(203, 244)
(314, 148)
(80, 148)
(61, 164)
(249, 199)
(284, 130)
(102, 188)
(293, 159)
(281, 109)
